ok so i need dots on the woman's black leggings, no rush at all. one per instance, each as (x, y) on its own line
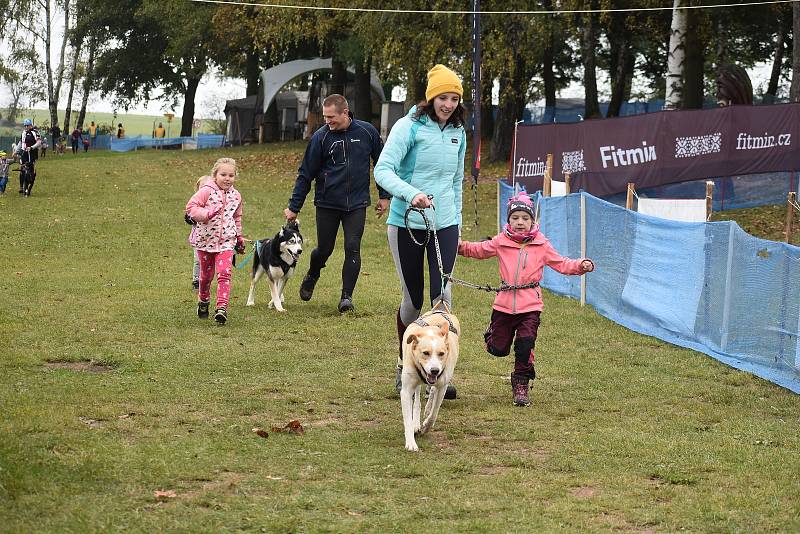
(409, 259)
(352, 222)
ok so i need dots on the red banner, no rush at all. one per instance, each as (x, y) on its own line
(654, 149)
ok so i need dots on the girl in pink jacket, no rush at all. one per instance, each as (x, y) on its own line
(522, 252)
(216, 210)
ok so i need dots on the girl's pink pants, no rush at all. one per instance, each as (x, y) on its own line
(222, 262)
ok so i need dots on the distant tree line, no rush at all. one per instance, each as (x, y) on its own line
(140, 50)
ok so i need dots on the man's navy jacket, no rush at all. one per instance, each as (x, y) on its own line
(338, 162)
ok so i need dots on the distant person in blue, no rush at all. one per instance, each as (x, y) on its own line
(337, 159)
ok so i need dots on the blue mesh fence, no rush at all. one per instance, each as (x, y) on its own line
(710, 287)
(134, 143)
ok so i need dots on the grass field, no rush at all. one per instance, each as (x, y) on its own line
(123, 411)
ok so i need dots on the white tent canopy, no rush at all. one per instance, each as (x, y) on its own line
(273, 79)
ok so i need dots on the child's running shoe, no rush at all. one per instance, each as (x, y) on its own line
(202, 310)
(221, 315)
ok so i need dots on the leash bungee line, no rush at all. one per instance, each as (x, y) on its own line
(430, 228)
(252, 252)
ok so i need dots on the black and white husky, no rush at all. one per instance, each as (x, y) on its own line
(277, 257)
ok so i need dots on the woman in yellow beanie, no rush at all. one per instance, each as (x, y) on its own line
(424, 155)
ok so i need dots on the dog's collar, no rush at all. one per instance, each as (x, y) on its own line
(421, 322)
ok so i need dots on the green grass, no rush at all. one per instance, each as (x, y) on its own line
(626, 433)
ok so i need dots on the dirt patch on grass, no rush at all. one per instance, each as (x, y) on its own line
(88, 366)
(584, 492)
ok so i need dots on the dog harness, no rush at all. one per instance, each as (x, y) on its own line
(421, 322)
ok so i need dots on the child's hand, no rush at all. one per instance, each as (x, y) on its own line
(587, 265)
(214, 211)
(240, 247)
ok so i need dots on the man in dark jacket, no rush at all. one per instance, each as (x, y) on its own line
(338, 160)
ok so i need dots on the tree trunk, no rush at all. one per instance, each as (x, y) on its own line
(272, 127)
(510, 110)
(621, 56)
(794, 92)
(589, 59)
(54, 86)
(252, 72)
(88, 80)
(675, 58)
(72, 79)
(188, 104)
(487, 109)
(777, 61)
(694, 60)
(548, 76)
(338, 78)
(363, 92)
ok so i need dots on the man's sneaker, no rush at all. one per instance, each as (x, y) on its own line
(519, 388)
(221, 315)
(307, 286)
(195, 284)
(202, 310)
(346, 304)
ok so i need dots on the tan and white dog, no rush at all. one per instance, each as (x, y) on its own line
(430, 353)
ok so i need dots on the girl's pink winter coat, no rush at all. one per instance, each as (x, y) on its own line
(520, 264)
(219, 233)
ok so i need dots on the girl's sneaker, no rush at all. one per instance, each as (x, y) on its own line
(202, 310)
(221, 315)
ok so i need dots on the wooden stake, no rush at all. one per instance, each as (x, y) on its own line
(566, 183)
(547, 186)
(791, 200)
(709, 198)
(629, 199)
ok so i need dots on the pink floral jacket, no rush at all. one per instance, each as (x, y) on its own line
(218, 215)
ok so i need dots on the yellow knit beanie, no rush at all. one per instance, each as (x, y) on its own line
(442, 80)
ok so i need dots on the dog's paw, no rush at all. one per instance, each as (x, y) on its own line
(250, 303)
(412, 446)
(270, 305)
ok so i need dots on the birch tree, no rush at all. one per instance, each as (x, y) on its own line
(675, 58)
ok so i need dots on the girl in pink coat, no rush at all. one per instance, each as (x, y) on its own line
(216, 210)
(522, 252)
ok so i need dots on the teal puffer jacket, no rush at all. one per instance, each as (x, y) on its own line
(420, 157)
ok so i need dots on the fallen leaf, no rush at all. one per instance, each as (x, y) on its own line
(292, 426)
(164, 494)
(260, 432)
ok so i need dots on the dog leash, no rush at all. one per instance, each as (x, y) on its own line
(430, 228)
(256, 246)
